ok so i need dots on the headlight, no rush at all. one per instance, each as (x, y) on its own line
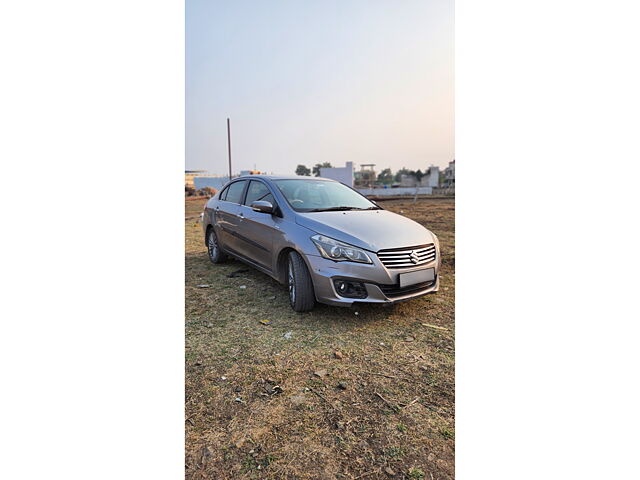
(436, 242)
(338, 251)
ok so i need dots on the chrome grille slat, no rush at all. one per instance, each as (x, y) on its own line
(406, 265)
(393, 257)
(406, 257)
(406, 252)
(400, 254)
(401, 257)
(420, 257)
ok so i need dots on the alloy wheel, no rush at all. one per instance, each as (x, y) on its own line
(292, 284)
(212, 245)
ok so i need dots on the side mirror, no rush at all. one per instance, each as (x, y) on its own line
(262, 207)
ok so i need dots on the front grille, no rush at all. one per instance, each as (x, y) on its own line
(392, 291)
(407, 256)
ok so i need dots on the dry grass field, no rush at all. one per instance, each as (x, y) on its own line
(335, 393)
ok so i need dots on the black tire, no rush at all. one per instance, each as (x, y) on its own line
(301, 295)
(216, 255)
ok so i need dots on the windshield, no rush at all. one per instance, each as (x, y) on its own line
(322, 196)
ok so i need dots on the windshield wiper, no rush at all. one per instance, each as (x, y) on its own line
(342, 208)
(333, 209)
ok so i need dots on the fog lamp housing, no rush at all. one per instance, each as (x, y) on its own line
(349, 288)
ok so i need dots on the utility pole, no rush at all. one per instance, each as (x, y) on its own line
(229, 144)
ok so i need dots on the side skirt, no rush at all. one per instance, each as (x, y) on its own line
(249, 262)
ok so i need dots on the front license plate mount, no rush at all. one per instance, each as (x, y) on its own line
(419, 276)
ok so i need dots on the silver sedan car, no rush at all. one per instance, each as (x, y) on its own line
(324, 240)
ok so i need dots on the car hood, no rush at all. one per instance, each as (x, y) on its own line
(369, 229)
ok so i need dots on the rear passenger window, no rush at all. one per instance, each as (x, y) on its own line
(258, 191)
(223, 194)
(234, 192)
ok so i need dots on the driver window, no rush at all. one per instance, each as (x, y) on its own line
(235, 191)
(258, 191)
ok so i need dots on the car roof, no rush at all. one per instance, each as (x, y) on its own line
(282, 177)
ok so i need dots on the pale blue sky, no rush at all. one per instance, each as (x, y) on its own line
(310, 81)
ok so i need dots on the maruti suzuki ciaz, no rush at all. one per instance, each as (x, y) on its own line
(324, 240)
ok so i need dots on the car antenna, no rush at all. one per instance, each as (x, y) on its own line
(229, 145)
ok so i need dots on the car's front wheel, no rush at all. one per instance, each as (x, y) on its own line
(301, 294)
(216, 255)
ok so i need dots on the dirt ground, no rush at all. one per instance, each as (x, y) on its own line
(335, 393)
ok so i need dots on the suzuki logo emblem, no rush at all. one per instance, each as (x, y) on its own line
(414, 256)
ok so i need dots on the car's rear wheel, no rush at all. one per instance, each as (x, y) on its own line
(216, 255)
(301, 294)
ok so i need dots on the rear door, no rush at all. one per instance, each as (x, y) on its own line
(228, 215)
(256, 230)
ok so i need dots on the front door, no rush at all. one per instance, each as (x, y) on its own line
(256, 230)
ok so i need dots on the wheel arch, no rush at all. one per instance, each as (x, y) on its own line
(281, 263)
(206, 234)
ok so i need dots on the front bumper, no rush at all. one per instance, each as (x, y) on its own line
(375, 277)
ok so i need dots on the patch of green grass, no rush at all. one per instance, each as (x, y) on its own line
(447, 433)
(416, 474)
(249, 463)
(266, 461)
(394, 452)
(401, 427)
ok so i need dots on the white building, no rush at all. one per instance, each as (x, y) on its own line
(450, 175)
(219, 181)
(431, 178)
(216, 182)
(340, 174)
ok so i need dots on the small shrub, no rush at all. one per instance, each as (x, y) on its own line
(189, 191)
(207, 192)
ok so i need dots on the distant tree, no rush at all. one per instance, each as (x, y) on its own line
(385, 176)
(303, 171)
(402, 171)
(419, 175)
(318, 166)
